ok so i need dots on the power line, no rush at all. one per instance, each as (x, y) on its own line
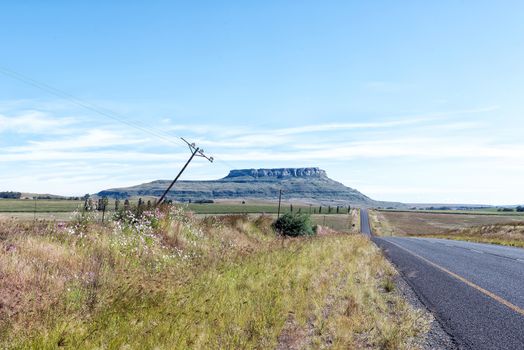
(96, 109)
(84, 104)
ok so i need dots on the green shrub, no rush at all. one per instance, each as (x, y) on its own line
(294, 225)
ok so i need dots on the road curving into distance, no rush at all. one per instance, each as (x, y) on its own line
(476, 291)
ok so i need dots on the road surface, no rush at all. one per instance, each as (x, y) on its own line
(365, 227)
(476, 291)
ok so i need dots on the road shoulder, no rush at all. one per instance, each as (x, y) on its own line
(437, 338)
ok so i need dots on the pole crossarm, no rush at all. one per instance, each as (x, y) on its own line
(199, 151)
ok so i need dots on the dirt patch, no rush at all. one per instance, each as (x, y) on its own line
(293, 337)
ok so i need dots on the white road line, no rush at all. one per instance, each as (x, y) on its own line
(477, 251)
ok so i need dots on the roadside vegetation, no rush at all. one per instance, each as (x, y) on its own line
(294, 225)
(495, 229)
(504, 234)
(170, 280)
(337, 218)
(11, 205)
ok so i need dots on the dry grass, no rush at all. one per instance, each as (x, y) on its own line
(504, 234)
(381, 226)
(339, 222)
(496, 229)
(178, 282)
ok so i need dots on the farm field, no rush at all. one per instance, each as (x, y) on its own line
(31, 216)
(228, 279)
(229, 208)
(62, 210)
(50, 206)
(483, 211)
(40, 206)
(340, 222)
(343, 223)
(498, 229)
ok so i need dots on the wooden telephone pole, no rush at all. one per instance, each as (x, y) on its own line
(279, 201)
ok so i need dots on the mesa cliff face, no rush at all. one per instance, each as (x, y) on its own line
(311, 185)
(281, 173)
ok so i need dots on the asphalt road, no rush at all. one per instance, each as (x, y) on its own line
(476, 291)
(365, 227)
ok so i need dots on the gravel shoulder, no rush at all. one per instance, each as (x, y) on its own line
(436, 338)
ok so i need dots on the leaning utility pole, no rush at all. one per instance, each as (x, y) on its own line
(195, 151)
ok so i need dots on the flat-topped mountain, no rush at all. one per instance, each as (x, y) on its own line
(302, 184)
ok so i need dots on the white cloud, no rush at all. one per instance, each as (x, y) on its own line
(347, 126)
(33, 122)
(104, 155)
(94, 138)
(418, 148)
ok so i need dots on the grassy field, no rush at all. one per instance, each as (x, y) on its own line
(40, 206)
(60, 206)
(498, 229)
(483, 211)
(175, 281)
(343, 223)
(62, 210)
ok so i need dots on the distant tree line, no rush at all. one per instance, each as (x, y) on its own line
(203, 201)
(58, 198)
(18, 195)
(10, 195)
(519, 209)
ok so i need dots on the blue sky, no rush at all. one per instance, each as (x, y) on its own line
(408, 100)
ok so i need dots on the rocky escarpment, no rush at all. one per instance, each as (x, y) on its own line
(282, 173)
(302, 184)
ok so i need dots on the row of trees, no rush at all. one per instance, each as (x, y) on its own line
(102, 204)
(519, 209)
(329, 210)
(10, 195)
